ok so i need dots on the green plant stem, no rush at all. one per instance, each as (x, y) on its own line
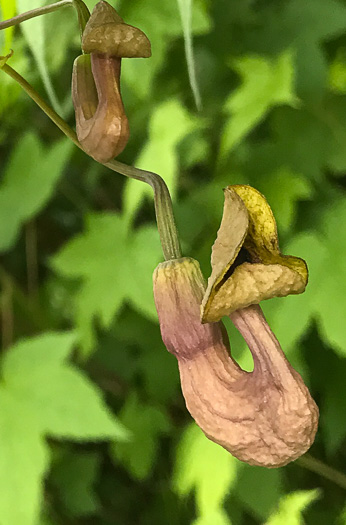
(320, 468)
(163, 206)
(185, 8)
(36, 97)
(35, 12)
(162, 199)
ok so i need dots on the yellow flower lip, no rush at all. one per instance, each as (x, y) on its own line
(107, 33)
(247, 265)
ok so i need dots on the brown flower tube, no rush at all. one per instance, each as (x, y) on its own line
(266, 417)
(101, 123)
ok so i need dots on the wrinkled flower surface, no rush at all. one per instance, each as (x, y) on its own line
(101, 123)
(247, 265)
(266, 417)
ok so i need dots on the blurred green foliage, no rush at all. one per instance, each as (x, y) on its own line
(93, 427)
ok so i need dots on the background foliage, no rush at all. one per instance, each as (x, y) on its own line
(93, 427)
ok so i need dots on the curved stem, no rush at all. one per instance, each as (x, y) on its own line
(315, 465)
(162, 199)
(34, 12)
(163, 206)
(36, 97)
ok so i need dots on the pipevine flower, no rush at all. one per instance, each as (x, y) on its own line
(266, 417)
(247, 265)
(101, 123)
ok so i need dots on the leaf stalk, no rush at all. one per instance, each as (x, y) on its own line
(44, 10)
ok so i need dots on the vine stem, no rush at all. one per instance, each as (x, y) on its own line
(162, 199)
(320, 468)
(163, 206)
(35, 12)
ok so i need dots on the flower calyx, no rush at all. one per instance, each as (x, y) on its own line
(247, 265)
(101, 123)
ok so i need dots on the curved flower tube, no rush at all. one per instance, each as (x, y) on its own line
(266, 417)
(101, 123)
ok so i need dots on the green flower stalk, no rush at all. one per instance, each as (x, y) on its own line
(101, 123)
(266, 417)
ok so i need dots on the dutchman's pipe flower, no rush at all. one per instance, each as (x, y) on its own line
(101, 123)
(247, 265)
(266, 417)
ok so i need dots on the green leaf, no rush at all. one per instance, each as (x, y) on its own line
(161, 23)
(330, 295)
(283, 188)
(310, 24)
(146, 424)
(45, 520)
(336, 153)
(7, 10)
(342, 518)
(185, 10)
(294, 132)
(10, 91)
(291, 507)
(333, 407)
(29, 181)
(307, 25)
(217, 517)
(23, 462)
(64, 401)
(259, 489)
(64, 24)
(74, 476)
(144, 254)
(98, 258)
(291, 317)
(134, 331)
(204, 467)
(33, 31)
(326, 291)
(26, 355)
(337, 72)
(265, 83)
(114, 265)
(169, 123)
(165, 385)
